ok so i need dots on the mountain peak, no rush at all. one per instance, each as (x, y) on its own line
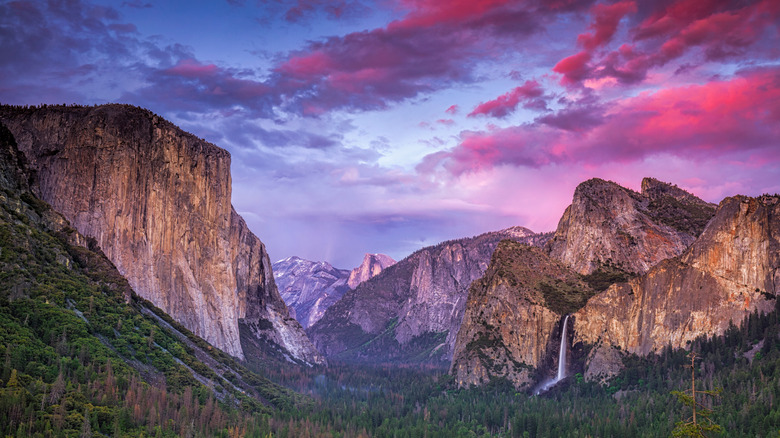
(607, 224)
(371, 266)
(518, 232)
(309, 288)
(157, 201)
(654, 189)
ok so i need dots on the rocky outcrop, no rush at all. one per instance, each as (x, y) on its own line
(609, 225)
(372, 265)
(157, 201)
(411, 312)
(728, 271)
(309, 288)
(513, 316)
(14, 175)
(732, 269)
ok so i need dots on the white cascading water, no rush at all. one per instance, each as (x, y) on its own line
(561, 362)
(562, 353)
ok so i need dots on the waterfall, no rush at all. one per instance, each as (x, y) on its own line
(562, 353)
(561, 362)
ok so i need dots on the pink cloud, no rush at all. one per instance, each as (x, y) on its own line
(434, 45)
(670, 17)
(738, 117)
(190, 68)
(306, 65)
(605, 21)
(573, 68)
(716, 30)
(434, 12)
(530, 92)
(453, 109)
(191, 85)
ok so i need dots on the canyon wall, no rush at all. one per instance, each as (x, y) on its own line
(731, 270)
(513, 316)
(157, 201)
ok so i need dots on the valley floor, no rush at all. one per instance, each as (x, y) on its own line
(390, 401)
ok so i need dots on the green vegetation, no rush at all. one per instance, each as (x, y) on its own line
(606, 275)
(387, 401)
(563, 297)
(81, 355)
(700, 421)
(688, 217)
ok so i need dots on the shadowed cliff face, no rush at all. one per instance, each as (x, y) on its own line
(607, 224)
(731, 270)
(512, 315)
(157, 200)
(411, 312)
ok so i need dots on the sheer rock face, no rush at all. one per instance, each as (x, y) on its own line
(509, 326)
(372, 265)
(157, 200)
(309, 288)
(609, 224)
(412, 311)
(730, 271)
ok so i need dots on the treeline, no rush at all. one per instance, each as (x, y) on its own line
(388, 401)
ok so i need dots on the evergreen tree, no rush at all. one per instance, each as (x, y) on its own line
(699, 422)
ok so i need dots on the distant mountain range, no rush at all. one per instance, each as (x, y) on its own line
(411, 312)
(309, 288)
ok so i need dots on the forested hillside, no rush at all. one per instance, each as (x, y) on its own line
(406, 402)
(81, 354)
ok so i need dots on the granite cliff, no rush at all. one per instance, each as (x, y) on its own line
(637, 271)
(611, 227)
(372, 265)
(55, 279)
(157, 202)
(309, 288)
(732, 269)
(411, 312)
(513, 315)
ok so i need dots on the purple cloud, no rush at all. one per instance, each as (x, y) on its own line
(530, 93)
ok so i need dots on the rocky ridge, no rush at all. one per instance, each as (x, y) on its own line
(727, 272)
(607, 225)
(731, 270)
(53, 276)
(157, 202)
(309, 288)
(411, 312)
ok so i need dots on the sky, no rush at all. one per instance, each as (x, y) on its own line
(360, 126)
